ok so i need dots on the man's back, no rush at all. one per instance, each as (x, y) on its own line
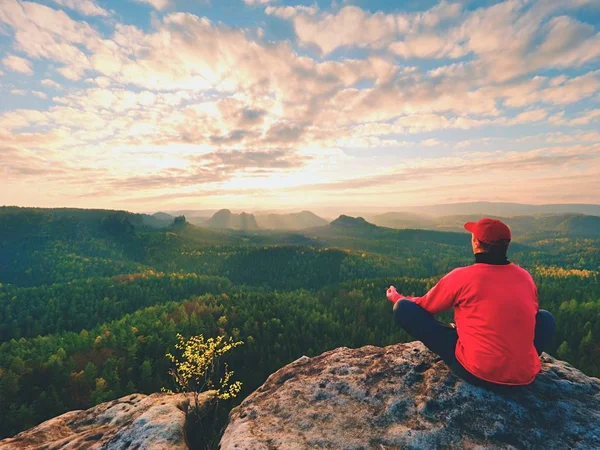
(495, 318)
(495, 309)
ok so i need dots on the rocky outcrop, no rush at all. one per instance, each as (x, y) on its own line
(404, 397)
(154, 422)
(397, 397)
(226, 219)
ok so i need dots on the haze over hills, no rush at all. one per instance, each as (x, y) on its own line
(522, 218)
(403, 217)
(503, 209)
(226, 219)
(291, 221)
(572, 225)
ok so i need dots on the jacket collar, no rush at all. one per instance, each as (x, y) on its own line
(490, 258)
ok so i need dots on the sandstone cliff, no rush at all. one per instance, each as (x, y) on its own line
(404, 397)
(154, 422)
(397, 397)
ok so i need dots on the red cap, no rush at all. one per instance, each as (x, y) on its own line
(489, 230)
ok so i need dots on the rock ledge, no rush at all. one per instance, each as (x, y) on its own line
(153, 422)
(404, 397)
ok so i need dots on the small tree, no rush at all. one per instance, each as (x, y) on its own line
(197, 370)
(200, 364)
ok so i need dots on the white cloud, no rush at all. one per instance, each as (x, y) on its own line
(507, 39)
(51, 83)
(157, 4)
(287, 12)
(157, 100)
(23, 93)
(85, 7)
(258, 2)
(40, 94)
(43, 32)
(17, 64)
(535, 115)
(431, 143)
(585, 118)
(579, 136)
(430, 46)
(351, 26)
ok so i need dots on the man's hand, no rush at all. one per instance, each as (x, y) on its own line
(392, 295)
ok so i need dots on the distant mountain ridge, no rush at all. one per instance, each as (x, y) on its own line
(355, 223)
(225, 219)
(504, 209)
(573, 225)
(293, 221)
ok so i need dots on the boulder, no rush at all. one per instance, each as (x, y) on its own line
(153, 422)
(404, 397)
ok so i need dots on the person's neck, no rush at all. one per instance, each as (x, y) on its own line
(491, 258)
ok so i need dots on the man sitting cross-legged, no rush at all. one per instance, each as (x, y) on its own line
(500, 330)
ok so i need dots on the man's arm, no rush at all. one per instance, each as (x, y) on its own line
(442, 296)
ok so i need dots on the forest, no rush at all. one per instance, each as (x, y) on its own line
(92, 300)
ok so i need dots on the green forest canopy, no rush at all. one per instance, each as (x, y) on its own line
(90, 301)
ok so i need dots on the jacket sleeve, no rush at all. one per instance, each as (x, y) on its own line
(537, 299)
(442, 296)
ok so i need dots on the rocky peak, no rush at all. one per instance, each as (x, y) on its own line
(347, 222)
(404, 397)
(224, 218)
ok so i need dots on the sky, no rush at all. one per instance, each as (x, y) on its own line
(151, 105)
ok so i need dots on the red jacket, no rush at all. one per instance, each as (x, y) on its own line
(494, 310)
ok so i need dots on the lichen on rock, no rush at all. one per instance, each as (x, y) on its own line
(404, 397)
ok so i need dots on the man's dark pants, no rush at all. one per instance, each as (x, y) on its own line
(441, 338)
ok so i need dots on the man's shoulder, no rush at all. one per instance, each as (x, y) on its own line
(521, 270)
(470, 269)
(460, 271)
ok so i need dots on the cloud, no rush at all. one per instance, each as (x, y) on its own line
(258, 2)
(430, 46)
(484, 32)
(230, 109)
(535, 115)
(584, 118)
(157, 4)
(249, 160)
(474, 166)
(46, 33)
(579, 136)
(538, 37)
(432, 143)
(351, 26)
(39, 94)
(17, 64)
(51, 83)
(559, 90)
(212, 168)
(288, 12)
(85, 7)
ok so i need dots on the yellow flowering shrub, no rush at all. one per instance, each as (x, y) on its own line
(198, 365)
